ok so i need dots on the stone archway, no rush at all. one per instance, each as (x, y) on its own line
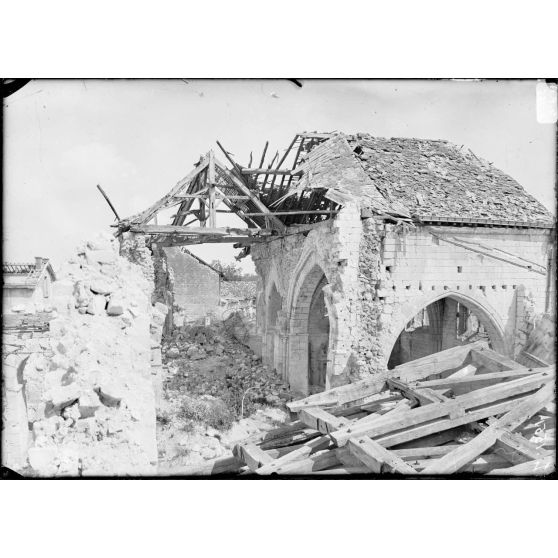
(449, 320)
(309, 330)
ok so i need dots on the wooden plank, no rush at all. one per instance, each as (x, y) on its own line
(481, 465)
(460, 386)
(344, 471)
(251, 455)
(321, 420)
(422, 396)
(343, 394)
(460, 457)
(377, 458)
(146, 215)
(459, 406)
(412, 454)
(295, 212)
(435, 363)
(317, 462)
(517, 449)
(181, 230)
(262, 170)
(301, 453)
(432, 440)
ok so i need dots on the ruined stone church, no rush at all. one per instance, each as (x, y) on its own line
(373, 252)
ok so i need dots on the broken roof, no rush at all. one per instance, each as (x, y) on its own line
(26, 275)
(436, 178)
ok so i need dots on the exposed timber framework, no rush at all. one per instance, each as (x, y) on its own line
(268, 198)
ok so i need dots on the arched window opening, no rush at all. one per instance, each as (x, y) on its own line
(441, 325)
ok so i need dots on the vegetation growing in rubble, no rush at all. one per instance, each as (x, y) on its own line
(232, 272)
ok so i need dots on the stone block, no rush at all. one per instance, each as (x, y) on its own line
(101, 287)
(109, 393)
(115, 307)
(88, 404)
(63, 396)
(97, 305)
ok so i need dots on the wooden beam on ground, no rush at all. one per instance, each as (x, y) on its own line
(343, 394)
(516, 449)
(301, 453)
(437, 363)
(377, 458)
(460, 386)
(462, 410)
(321, 420)
(460, 457)
(422, 396)
(251, 455)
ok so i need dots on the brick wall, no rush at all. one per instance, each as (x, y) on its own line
(196, 286)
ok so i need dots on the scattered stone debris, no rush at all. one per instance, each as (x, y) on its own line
(88, 393)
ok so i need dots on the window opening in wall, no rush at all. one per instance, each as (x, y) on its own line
(459, 269)
(441, 325)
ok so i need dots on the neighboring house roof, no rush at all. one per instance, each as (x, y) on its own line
(428, 180)
(240, 290)
(26, 276)
(186, 251)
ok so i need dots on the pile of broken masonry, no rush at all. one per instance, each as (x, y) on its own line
(464, 410)
(89, 397)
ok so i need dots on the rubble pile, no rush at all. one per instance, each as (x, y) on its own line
(90, 403)
(208, 361)
(216, 394)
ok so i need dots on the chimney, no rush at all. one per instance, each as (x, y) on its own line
(38, 262)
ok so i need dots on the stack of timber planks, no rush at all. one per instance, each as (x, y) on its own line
(463, 410)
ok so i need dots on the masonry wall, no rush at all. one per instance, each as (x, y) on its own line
(295, 265)
(416, 269)
(196, 286)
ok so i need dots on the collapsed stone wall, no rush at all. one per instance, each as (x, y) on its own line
(88, 395)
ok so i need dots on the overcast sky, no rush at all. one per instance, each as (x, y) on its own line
(138, 138)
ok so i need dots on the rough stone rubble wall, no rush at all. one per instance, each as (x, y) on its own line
(87, 388)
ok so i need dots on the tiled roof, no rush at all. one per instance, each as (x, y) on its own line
(435, 178)
(26, 275)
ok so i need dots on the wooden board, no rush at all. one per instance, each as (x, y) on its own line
(321, 420)
(455, 409)
(377, 458)
(460, 457)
